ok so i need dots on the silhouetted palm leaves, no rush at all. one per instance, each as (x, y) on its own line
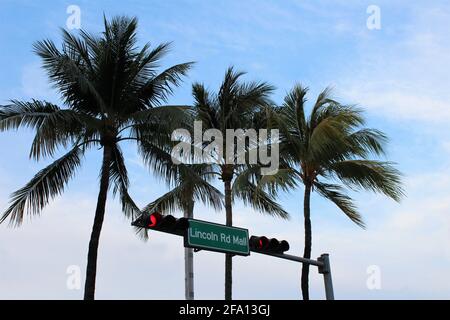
(111, 92)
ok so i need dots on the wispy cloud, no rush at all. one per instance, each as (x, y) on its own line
(406, 77)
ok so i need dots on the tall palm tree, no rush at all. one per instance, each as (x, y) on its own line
(234, 107)
(111, 92)
(329, 150)
(190, 183)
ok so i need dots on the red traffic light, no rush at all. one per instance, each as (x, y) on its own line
(164, 223)
(154, 220)
(264, 244)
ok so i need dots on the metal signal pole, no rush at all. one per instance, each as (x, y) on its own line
(189, 263)
(323, 263)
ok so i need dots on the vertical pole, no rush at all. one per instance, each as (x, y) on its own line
(325, 269)
(189, 273)
(228, 256)
(189, 261)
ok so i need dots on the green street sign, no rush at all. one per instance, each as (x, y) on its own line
(216, 237)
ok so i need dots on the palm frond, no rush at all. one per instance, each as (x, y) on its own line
(366, 141)
(253, 94)
(54, 127)
(141, 233)
(205, 109)
(323, 99)
(190, 183)
(46, 184)
(159, 159)
(77, 49)
(148, 61)
(25, 114)
(327, 142)
(335, 194)
(71, 78)
(169, 202)
(119, 177)
(377, 176)
(260, 200)
(160, 87)
(177, 116)
(294, 108)
(248, 191)
(283, 180)
(332, 143)
(61, 129)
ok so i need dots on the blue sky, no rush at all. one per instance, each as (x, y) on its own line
(399, 74)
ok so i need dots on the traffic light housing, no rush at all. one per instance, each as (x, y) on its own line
(266, 245)
(163, 223)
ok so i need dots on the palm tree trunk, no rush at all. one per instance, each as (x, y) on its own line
(91, 269)
(189, 261)
(308, 242)
(228, 257)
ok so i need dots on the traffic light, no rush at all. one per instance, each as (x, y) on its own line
(266, 245)
(163, 223)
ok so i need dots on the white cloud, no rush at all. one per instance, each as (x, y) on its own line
(400, 104)
(407, 78)
(413, 233)
(409, 244)
(446, 146)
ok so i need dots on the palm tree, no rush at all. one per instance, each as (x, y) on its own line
(234, 107)
(111, 92)
(329, 150)
(190, 183)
